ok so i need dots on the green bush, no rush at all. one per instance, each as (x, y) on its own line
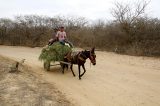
(55, 52)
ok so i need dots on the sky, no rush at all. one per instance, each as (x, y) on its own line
(90, 9)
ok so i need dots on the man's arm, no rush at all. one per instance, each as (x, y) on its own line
(65, 35)
(57, 35)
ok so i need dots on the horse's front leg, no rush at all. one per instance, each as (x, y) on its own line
(79, 69)
(72, 70)
(83, 69)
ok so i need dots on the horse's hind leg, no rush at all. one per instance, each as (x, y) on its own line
(63, 67)
(67, 66)
(79, 69)
(83, 69)
(72, 70)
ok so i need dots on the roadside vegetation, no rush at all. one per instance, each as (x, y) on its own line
(131, 32)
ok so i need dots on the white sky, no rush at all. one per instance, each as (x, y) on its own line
(91, 9)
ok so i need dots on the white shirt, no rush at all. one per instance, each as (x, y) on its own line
(61, 35)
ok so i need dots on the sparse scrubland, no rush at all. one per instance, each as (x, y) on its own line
(131, 32)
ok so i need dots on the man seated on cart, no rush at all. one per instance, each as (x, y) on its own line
(61, 37)
(54, 38)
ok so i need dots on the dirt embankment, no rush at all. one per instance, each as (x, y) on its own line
(23, 88)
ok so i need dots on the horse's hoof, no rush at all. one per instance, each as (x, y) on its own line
(74, 75)
(79, 78)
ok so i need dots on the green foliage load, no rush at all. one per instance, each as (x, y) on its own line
(55, 52)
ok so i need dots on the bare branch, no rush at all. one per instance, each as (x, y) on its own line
(126, 13)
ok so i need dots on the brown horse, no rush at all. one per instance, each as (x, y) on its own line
(79, 58)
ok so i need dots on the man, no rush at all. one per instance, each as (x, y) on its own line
(61, 34)
(54, 39)
(62, 37)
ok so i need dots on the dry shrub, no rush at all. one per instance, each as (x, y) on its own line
(141, 37)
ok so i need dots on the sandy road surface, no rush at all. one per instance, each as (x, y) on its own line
(116, 80)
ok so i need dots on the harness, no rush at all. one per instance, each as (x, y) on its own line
(82, 57)
(75, 56)
(78, 56)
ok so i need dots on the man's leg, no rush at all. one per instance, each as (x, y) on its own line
(70, 44)
(51, 42)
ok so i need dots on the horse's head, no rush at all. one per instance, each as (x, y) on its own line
(92, 56)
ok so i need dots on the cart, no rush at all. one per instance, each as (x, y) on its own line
(59, 51)
(48, 65)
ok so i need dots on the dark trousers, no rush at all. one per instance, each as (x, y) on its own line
(51, 42)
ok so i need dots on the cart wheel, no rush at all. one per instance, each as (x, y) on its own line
(46, 66)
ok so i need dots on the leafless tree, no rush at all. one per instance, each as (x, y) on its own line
(129, 12)
(126, 13)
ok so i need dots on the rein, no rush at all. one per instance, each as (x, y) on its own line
(81, 58)
(83, 55)
(90, 57)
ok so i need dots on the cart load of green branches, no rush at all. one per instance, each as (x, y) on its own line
(55, 52)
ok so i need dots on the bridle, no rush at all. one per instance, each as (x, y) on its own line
(92, 58)
(83, 57)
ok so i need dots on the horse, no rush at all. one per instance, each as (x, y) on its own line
(79, 58)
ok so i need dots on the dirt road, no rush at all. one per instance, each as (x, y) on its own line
(116, 80)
